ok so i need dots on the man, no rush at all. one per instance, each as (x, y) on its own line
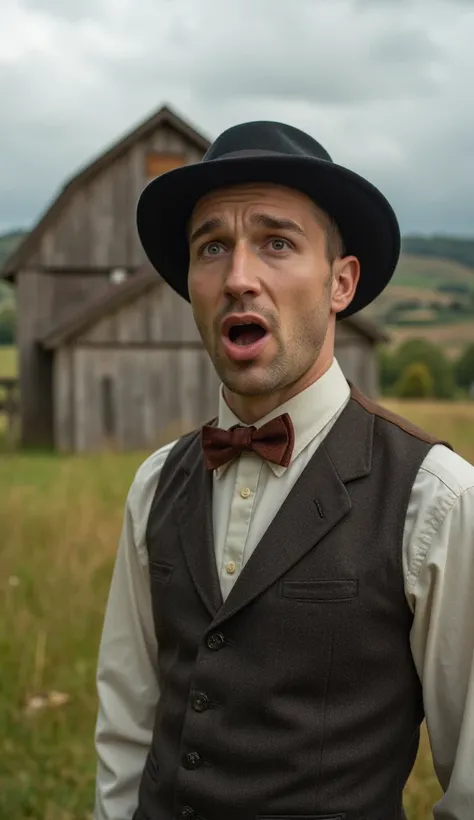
(293, 587)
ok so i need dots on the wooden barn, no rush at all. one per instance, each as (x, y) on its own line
(108, 354)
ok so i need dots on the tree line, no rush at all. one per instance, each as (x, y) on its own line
(419, 369)
(442, 247)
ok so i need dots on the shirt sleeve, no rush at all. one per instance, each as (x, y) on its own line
(440, 585)
(127, 679)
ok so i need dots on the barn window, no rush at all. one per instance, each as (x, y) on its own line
(108, 407)
(157, 164)
(118, 275)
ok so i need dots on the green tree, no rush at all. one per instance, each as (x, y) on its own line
(416, 382)
(388, 370)
(422, 351)
(464, 367)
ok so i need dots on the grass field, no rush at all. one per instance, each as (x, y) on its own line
(8, 363)
(61, 518)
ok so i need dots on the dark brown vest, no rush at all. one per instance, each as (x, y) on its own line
(297, 698)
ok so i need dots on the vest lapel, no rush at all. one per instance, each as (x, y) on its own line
(316, 504)
(194, 513)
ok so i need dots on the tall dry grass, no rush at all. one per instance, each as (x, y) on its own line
(60, 520)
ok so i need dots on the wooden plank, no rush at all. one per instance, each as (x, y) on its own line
(357, 364)
(63, 400)
(102, 335)
(35, 304)
(154, 395)
(73, 289)
(89, 341)
(130, 325)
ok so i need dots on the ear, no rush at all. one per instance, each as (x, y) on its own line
(346, 274)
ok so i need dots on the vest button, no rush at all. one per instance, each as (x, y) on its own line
(200, 702)
(215, 641)
(192, 760)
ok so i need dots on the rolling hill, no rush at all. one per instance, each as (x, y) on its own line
(430, 297)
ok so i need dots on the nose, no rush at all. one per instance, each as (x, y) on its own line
(242, 276)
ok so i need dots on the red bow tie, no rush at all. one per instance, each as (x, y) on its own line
(274, 441)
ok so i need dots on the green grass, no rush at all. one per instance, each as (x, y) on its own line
(62, 518)
(8, 363)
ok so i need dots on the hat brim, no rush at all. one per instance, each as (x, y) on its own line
(365, 218)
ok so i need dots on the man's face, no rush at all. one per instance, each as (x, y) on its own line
(261, 287)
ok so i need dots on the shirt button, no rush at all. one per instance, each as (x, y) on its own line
(200, 702)
(230, 567)
(192, 760)
(245, 492)
(215, 641)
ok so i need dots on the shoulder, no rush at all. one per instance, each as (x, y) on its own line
(394, 422)
(143, 488)
(446, 470)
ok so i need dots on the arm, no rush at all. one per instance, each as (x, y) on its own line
(127, 678)
(440, 582)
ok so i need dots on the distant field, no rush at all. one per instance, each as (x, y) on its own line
(430, 272)
(8, 363)
(61, 517)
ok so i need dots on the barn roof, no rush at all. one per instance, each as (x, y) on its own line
(118, 296)
(86, 316)
(164, 116)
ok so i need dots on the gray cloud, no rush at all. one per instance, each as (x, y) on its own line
(387, 92)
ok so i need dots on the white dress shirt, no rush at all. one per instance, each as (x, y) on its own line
(438, 565)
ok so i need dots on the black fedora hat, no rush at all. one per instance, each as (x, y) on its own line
(271, 152)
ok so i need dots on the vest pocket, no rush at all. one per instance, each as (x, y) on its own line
(331, 589)
(160, 571)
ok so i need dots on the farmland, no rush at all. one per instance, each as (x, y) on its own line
(63, 517)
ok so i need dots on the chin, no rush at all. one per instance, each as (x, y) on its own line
(249, 383)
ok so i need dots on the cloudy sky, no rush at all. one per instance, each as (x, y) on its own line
(385, 85)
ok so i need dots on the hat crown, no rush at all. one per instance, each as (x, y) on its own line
(265, 137)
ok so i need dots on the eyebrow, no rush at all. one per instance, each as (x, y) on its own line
(273, 223)
(207, 227)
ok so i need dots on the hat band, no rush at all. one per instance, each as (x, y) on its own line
(253, 152)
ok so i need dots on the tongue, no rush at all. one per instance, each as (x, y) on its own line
(249, 334)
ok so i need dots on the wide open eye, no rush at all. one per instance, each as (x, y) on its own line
(278, 244)
(211, 249)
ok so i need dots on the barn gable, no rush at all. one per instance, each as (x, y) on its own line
(143, 311)
(79, 229)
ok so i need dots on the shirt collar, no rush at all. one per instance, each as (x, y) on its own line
(310, 411)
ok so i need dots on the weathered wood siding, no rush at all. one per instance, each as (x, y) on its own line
(97, 227)
(134, 399)
(35, 298)
(64, 400)
(44, 298)
(161, 316)
(357, 357)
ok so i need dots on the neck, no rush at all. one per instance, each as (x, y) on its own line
(250, 409)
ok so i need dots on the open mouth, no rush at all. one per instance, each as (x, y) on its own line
(247, 333)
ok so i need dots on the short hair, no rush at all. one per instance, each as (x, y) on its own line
(334, 241)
